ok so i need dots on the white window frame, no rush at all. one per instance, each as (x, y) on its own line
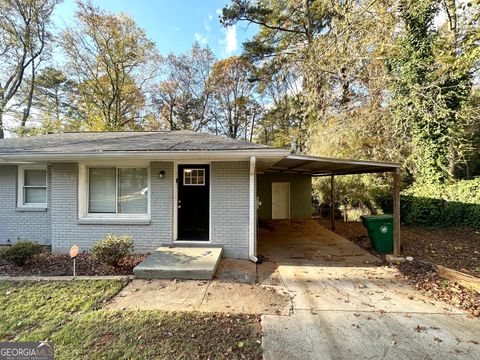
(194, 169)
(83, 193)
(21, 184)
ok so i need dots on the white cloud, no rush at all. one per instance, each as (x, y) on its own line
(202, 39)
(218, 12)
(207, 26)
(230, 40)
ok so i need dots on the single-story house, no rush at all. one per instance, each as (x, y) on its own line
(163, 188)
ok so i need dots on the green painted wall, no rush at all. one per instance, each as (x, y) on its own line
(300, 194)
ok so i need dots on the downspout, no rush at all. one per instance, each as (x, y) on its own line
(251, 225)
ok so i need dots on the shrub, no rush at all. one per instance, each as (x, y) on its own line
(452, 205)
(112, 248)
(21, 252)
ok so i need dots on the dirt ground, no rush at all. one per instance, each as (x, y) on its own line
(234, 290)
(458, 249)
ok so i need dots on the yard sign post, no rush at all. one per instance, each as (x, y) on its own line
(73, 254)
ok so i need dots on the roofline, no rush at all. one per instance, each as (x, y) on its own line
(267, 153)
(380, 164)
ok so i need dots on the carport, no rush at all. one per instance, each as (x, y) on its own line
(320, 166)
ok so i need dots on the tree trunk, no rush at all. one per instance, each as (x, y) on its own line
(170, 117)
(2, 134)
(252, 127)
(26, 111)
(57, 106)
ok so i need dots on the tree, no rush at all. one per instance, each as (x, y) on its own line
(431, 91)
(284, 120)
(232, 89)
(284, 125)
(288, 30)
(55, 101)
(166, 99)
(184, 99)
(113, 61)
(457, 51)
(356, 123)
(24, 35)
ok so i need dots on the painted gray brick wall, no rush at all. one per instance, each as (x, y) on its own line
(60, 225)
(230, 215)
(67, 230)
(23, 224)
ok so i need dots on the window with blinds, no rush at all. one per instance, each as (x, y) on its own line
(34, 187)
(118, 190)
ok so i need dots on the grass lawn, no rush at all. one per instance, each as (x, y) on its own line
(70, 314)
(32, 311)
(157, 335)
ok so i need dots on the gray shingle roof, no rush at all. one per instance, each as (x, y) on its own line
(95, 142)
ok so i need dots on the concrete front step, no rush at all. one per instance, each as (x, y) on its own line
(180, 263)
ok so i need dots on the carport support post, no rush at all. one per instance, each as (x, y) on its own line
(332, 200)
(252, 244)
(396, 212)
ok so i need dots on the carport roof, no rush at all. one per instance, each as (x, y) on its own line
(322, 166)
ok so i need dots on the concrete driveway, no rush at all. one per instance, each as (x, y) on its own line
(350, 307)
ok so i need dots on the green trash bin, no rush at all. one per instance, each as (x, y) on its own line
(380, 231)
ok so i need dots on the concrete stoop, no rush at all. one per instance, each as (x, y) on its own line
(180, 263)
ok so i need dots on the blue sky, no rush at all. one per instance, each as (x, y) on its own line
(173, 24)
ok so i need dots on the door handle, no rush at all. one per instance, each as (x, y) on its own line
(179, 206)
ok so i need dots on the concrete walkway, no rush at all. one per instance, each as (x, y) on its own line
(349, 309)
(203, 296)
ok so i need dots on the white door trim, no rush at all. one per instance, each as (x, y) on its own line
(175, 202)
(288, 207)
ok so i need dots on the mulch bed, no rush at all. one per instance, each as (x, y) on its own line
(423, 276)
(457, 249)
(48, 264)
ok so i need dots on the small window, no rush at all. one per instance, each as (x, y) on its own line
(32, 185)
(193, 177)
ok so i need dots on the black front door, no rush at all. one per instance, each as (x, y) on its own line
(193, 202)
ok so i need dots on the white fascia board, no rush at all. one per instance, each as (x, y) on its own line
(343, 161)
(233, 155)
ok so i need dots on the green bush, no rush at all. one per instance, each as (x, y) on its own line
(452, 205)
(355, 191)
(21, 252)
(112, 248)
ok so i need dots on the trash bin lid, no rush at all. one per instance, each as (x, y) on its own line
(370, 218)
